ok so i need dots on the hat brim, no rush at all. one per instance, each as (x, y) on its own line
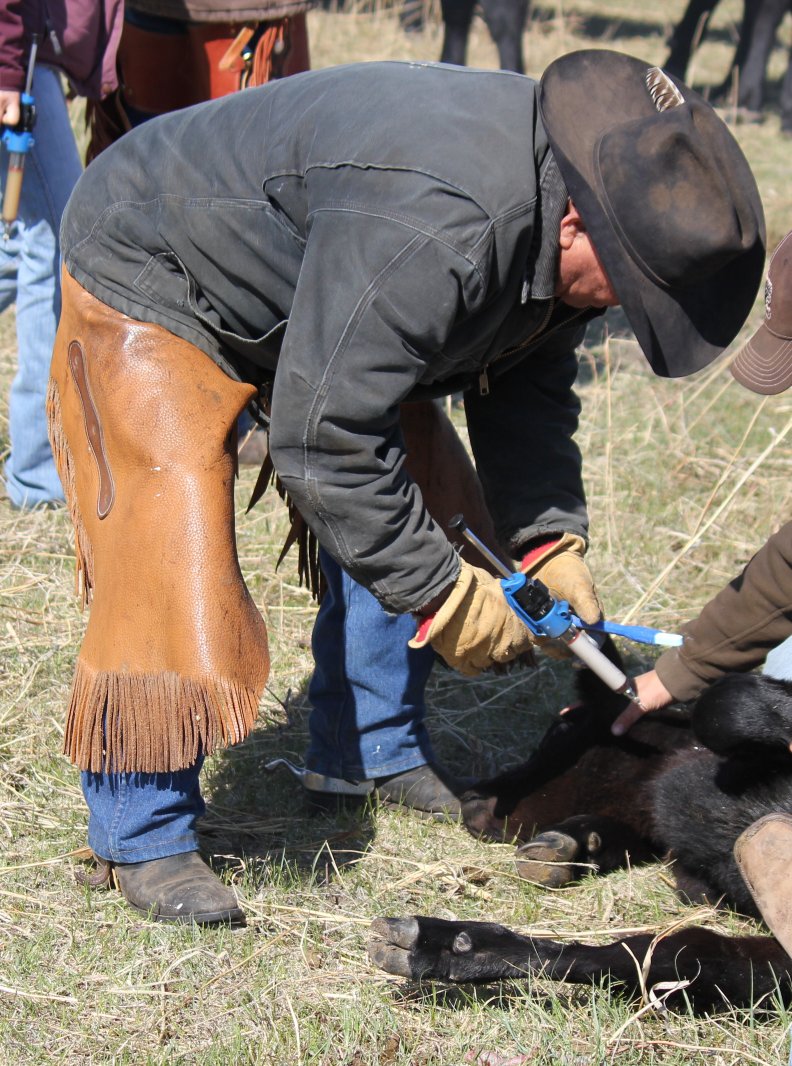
(764, 363)
(681, 330)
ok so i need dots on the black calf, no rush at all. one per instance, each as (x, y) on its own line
(712, 970)
(588, 801)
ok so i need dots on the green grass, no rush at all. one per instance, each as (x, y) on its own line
(83, 979)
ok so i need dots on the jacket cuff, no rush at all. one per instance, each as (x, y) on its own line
(538, 549)
(678, 678)
(529, 539)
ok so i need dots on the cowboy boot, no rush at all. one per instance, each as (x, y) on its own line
(179, 888)
(427, 789)
(763, 853)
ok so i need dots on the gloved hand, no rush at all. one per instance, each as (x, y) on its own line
(559, 565)
(475, 627)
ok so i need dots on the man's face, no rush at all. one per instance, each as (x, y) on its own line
(582, 281)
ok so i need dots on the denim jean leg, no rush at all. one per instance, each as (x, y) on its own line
(367, 689)
(30, 275)
(135, 817)
(779, 661)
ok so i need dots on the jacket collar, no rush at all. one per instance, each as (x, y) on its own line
(540, 270)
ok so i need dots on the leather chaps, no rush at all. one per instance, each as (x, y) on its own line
(143, 429)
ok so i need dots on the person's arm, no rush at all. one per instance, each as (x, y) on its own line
(733, 633)
(375, 302)
(522, 434)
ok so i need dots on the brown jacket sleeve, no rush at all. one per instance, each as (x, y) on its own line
(737, 628)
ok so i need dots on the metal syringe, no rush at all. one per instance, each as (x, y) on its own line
(537, 608)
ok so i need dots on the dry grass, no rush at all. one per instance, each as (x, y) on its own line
(684, 479)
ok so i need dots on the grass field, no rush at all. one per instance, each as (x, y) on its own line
(685, 480)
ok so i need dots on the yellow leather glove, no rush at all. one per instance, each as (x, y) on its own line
(475, 627)
(561, 567)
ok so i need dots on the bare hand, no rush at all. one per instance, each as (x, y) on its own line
(653, 696)
(9, 107)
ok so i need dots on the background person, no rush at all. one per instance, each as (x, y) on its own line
(749, 622)
(77, 39)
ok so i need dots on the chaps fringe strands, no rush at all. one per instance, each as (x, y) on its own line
(125, 722)
(175, 654)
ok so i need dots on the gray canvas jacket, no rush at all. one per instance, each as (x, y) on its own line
(738, 627)
(377, 233)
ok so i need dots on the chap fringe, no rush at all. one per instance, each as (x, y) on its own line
(118, 723)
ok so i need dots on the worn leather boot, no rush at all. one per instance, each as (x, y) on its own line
(763, 853)
(179, 888)
(427, 789)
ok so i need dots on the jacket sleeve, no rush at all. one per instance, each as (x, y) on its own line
(374, 303)
(12, 46)
(522, 436)
(736, 629)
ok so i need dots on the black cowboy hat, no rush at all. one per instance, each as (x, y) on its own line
(668, 199)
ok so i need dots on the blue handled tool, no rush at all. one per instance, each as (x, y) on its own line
(537, 608)
(19, 140)
(640, 634)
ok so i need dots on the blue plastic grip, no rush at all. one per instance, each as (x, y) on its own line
(640, 634)
(19, 142)
(554, 624)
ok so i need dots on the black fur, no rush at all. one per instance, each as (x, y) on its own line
(716, 971)
(587, 800)
(629, 788)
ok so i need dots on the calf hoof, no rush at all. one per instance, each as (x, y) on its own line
(554, 859)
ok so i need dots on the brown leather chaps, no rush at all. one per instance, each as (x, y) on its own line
(175, 655)
(143, 428)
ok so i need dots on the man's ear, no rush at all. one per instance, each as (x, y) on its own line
(571, 226)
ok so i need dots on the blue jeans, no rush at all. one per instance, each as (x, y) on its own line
(367, 721)
(30, 275)
(367, 689)
(137, 817)
(779, 662)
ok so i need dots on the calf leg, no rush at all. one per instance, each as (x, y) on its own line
(583, 844)
(681, 43)
(786, 100)
(746, 714)
(720, 970)
(744, 38)
(762, 38)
